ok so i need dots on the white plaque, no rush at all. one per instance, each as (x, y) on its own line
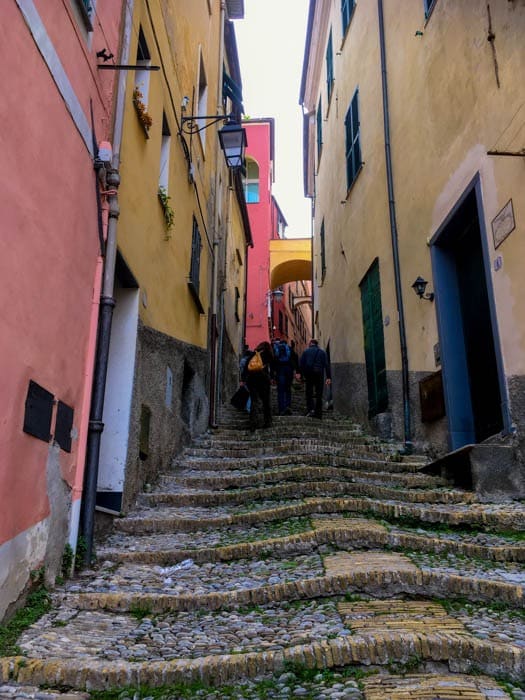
(503, 224)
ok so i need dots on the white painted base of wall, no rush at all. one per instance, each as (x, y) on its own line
(18, 558)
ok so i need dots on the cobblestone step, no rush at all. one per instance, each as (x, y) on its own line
(337, 572)
(356, 462)
(493, 517)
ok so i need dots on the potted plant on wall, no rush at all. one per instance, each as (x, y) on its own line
(142, 113)
(169, 214)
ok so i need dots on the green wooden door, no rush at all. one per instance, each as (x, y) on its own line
(374, 341)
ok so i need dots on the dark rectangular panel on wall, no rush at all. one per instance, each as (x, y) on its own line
(63, 426)
(38, 412)
(431, 397)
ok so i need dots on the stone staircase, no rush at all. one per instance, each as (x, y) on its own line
(305, 560)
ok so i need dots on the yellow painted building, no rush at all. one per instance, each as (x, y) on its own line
(414, 152)
(182, 238)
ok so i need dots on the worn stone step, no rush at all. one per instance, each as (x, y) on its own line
(341, 532)
(356, 462)
(319, 480)
(497, 517)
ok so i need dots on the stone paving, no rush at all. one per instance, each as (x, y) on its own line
(307, 560)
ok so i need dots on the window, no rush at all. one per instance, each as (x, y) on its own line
(164, 155)
(347, 8)
(202, 99)
(195, 263)
(142, 76)
(329, 67)
(323, 251)
(237, 300)
(319, 125)
(429, 6)
(85, 8)
(353, 148)
(251, 181)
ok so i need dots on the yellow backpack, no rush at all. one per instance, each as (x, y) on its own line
(256, 363)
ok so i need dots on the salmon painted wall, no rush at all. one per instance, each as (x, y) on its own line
(260, 141)
(49, 264)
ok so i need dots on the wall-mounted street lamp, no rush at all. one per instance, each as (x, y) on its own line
(232, 137)
(419, 288)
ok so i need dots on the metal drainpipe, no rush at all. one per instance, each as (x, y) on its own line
(215, 253)
(394, 236)
(96, 426)
(107, 303)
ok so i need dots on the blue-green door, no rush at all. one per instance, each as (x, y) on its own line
(374, 341)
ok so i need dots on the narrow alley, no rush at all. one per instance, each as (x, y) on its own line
(262, 350)
(306, 560)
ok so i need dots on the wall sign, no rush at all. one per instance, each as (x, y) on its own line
(503, 224)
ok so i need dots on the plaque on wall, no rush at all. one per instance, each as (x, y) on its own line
(503, 224)
(431, 397)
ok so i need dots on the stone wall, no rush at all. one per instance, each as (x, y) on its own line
(351, 398)
(173, 416)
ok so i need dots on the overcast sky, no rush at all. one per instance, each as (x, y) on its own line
(270, 40)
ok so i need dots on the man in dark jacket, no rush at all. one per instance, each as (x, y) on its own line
(314, 365)
(283, 370)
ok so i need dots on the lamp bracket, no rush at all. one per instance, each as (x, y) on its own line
(190, 125)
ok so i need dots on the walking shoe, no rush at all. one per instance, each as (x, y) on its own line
(309, 414)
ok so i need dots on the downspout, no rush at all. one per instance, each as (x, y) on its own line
(394, 236)
(107, 303)
(215, 251)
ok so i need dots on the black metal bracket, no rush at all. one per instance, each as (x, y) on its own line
(190, 125)
(119, 66)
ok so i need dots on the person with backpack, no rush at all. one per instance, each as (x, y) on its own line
(314, 365)
(256, 374)
(283, 368)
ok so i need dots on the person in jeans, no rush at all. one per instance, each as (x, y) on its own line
(259, 383)
(314, 366)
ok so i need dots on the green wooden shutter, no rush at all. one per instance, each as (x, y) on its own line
(374, 341)
(319, 124)
(329, 67)
(353, 147)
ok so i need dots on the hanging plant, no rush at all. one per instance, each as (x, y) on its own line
(141, 110)
(169, 214)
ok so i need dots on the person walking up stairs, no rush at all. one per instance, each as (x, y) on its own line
(317, 562)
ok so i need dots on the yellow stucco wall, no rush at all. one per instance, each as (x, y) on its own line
(290, 260)
(446, 112)
(177, 35)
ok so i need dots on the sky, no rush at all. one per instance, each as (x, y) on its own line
(270, 41)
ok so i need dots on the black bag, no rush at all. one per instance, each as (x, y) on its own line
(240, 398)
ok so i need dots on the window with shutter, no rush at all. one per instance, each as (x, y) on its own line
(194, 281)
(374, 341)
(329, 67)
(347, 8)
(353, 147)
(323, 251)
(429, 5)
(319, 125)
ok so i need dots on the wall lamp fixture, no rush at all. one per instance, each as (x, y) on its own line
(419, 287)
(232, 137)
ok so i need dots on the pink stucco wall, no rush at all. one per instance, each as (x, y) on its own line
(49, 246)
(259, 135)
